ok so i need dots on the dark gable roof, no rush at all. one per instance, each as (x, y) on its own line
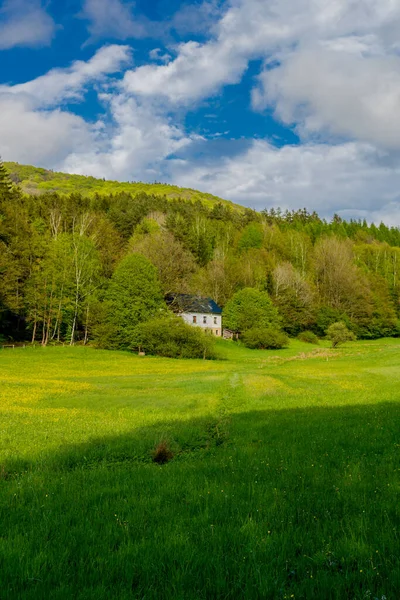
(188, 303)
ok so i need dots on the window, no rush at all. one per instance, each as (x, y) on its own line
(204, 320)
(194, 319)
(216, 332)
(215, 320)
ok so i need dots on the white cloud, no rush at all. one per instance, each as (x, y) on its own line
(34, 129)
(39, 137)
(196, 72)
(131, 144)
(273, 31)
(197, 18)
(118, 19)
(340, 93)
(136, 145)
(59, 85)
(353, 179)
(113, 18)
(25, 23)
(158, 55)
(331, 69)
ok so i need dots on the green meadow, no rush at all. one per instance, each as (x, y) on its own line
(284, 481)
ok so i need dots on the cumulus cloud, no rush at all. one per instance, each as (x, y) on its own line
(59, 85)
(353, 179)
(25, 23)
(39, 137)
(274, 31)
(139, 140)
(34, 129)
(130, 142)
(331, 69)
(340, 93)
(197, 71)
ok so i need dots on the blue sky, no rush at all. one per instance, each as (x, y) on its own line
(285, 103)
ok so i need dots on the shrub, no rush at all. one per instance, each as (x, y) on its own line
(338, 334)
(265, 338)
(326, 316)
(309, 337)
(173, 338)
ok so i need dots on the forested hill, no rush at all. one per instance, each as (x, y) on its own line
(35, 180)
(61, 255)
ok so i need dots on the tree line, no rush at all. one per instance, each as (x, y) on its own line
(64, 274)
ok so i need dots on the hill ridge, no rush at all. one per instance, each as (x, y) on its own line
(38, 180)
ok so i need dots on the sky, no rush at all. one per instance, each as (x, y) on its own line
(290, 103)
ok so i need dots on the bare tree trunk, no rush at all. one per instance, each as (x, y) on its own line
(86, 325)
(75, 318)
(48, 324)
(34, 328)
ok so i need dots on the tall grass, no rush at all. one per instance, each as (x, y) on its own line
(283, 480)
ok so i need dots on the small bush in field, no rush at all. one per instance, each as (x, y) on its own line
(338, 334)
(309, 337)
(173, 338)
(265, 339)
(162, 453)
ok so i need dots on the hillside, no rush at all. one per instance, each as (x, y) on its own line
(35, 180)
(61, 253)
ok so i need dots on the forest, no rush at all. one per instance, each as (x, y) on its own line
(62, 254)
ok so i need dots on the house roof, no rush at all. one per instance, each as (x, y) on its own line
(188, 303)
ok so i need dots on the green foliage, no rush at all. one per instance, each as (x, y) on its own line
(252, 237)
(6, 187)
(36, 180)
(134, 296)
(326, 316)
(265, 338)
(250, 308)
(59, 250)
(338, 334)
(309, 337)
(173, 338)
(174, 263)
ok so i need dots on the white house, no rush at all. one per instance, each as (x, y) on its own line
(197, 311)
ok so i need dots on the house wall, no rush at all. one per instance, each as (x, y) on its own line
(214, 326)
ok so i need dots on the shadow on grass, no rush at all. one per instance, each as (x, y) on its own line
(263, 504)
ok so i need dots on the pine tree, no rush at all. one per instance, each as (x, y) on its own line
(6, 186)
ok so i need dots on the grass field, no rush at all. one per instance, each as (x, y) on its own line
(284, 483)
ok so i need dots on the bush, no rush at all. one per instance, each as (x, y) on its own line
(309, 337)
(338, 334)
(326, 316)
(173, 338)
(265, 338)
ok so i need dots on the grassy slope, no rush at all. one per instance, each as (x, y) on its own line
(285, 482)
(34, 180)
